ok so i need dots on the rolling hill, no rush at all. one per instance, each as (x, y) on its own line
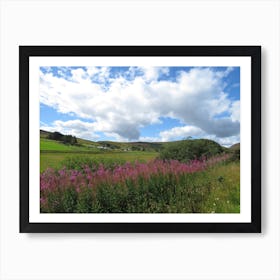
(101, 146)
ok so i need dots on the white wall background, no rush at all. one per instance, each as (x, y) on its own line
(139, 256)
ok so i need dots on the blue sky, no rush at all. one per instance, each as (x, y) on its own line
(141, 103)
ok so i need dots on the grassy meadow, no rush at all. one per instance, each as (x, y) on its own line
(191, 176)
(56, 155)
(58, 160)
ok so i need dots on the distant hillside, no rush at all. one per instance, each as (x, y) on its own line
(235, 151)
(44, 134)
(105, 145)
(47, 134)
(131, 146)
(138, 146)
(235, 147)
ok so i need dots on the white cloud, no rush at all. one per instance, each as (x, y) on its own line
(78, 75)
(183, 132)
(180, 133)
(153, 73)
(235, 111)
(222, 74)
(92, 71)
(226, 141)
(85, 130)
(120, 107)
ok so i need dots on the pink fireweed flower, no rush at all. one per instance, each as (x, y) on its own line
(51, 180)
(72, 178)
(62, 172)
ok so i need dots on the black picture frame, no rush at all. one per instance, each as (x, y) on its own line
(254, 52)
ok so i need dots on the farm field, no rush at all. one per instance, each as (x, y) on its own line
(54, 146)
(56, 155)
(58, 159)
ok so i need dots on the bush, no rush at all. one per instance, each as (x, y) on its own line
(187, 150)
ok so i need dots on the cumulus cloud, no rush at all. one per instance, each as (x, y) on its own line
(235, 111)
(181, 132)
(121, 106)
(184, 132)
(85, 130)
(153, 73)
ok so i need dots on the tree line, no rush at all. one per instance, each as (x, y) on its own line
(65, 139)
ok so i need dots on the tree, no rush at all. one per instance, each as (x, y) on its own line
(56, 136)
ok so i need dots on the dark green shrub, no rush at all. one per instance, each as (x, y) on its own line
(187, 150)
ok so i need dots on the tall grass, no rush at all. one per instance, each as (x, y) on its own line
(154, 187)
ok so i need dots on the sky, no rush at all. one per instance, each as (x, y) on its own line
(153, 104)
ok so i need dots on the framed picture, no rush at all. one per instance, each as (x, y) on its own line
(140, 138)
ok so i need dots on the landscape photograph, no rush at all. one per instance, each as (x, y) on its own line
(135, 139)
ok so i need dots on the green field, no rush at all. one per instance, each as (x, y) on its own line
(54, 154)
(55, 159)
(55, 146)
